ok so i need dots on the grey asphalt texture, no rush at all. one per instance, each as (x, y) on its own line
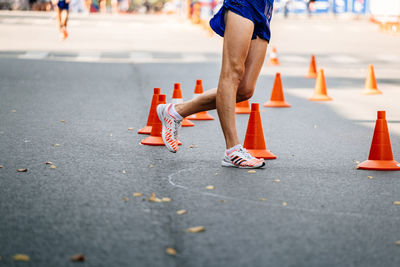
(335, 215)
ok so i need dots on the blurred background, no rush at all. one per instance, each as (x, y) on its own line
(386, 12)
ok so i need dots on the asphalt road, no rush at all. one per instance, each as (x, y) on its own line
(73, 106)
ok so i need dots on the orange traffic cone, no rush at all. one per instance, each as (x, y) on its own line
(177, 99)
(201, 116)
(243, 107)
(155, 138)
(152, 113)
(254, 141)
(312, 70)
(277, 97)
(380, 155)
(273, 58)
(320, 93)
(371, 87)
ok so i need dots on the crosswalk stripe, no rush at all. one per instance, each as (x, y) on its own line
(88, 56)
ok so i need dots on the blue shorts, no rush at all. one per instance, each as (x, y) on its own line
(63, 5)
(258, 11)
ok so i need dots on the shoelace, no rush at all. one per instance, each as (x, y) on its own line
(246, 154)
(176, 130)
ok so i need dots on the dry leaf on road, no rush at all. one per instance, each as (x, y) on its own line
(397, 203)
(151, 166)
(196, 229)
(13, 110)
(284, 204)
(210, 187)
(21, 257)
(252, 171)
(1, 166)
(130, 129)
(125, 199)
(52, 167)
(181, 212)
(397, 243)
(166, 199)
(57, 145)
(277, 181)
(262, 199)
(153, 198)
(193, 146)
(22, 170)
(137, 194)
(170, 251)
(124, 172)
(370, 177)
(223, 201)
(63, 121)
(78, 257)
(48, 163)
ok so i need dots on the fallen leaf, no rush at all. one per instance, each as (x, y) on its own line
(397, 203)
(181, 212)
(370, 177)
(125, 199)
(223, 201)
(21, 257)
(48, 163)
(216, 173)
(78, 257)
(166, 199)
(277, 181)
(210, 187)
(252, 171)
(130, 129)
(137, 194)
(22, 170)
(124, 172)
(196, 229)
(397, 243)
(110, 134)
(284, 204)
(0, 258)
(170, 251)
(62, 121)
(151, 166)
(153, 198)
(315, 126)
(262, 199)
(13, 110)
(52, 167)
(1, 166)
(193, 146)
(357, 162)
(57, 145)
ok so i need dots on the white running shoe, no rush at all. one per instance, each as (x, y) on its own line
(240, 158)
(170, 127)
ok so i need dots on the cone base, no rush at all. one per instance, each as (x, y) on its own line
(153, 141)
(273, 63)
(187, 123)
(242, 110)
(277, 104)
(371, 92)
(320, 98)
(201, 117)
(145, 130)
(261, 153)
(379, 165)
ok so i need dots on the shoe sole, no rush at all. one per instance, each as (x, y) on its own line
(160, 110)
(229, 164)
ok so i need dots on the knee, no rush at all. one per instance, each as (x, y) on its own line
(244, 93)
(234, 73)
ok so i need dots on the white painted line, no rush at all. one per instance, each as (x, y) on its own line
(39, 21)
(88, 56)
(10, 21)
(189, 57)
(298, 59)
(389, 58)
(141, 56)
(343, 59)
(34, 55)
